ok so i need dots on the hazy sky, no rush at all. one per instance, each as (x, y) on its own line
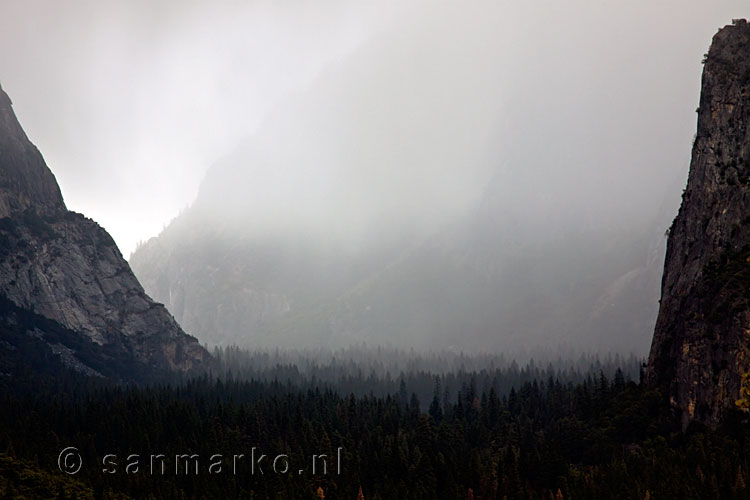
(131, 102)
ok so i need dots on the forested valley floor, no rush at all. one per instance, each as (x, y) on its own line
(450, 427)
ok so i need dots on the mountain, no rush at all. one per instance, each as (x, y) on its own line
(61, 270)
(407, 198)
(491, 281)
(491, 278)
(475, 283)
(700, 343)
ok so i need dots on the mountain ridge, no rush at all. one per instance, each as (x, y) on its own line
(25, 180)
(65, 267)
(298, 237)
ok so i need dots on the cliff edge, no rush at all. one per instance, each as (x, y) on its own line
(699, 349)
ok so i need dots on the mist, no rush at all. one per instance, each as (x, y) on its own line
(487, 175)
(131, 103)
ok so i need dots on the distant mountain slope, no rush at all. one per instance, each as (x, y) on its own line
(473, 284)
(478, 285)
(65, 267)
(405, 198)
(701, 342)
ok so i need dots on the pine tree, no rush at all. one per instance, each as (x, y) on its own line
(414, 404)
(619, 380)
(360, 495)
(436, 412)
(403, 400)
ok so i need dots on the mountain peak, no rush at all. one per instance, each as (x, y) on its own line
(66, 268)
(25, 180)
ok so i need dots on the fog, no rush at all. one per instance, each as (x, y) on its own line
(433, 174)
(131, 102)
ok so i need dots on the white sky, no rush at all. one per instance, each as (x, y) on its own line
(131, 102)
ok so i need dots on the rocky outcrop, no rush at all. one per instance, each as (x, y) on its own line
(65, 267)
(703, 324)
(216, 293)
(25, 181)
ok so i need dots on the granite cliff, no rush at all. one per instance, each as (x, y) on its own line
(702, 332)
(64, 267)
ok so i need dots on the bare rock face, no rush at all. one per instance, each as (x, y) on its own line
(25, 180)
(65, 267)
(703, 327)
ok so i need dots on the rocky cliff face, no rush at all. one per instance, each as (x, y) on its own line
(25, 181)
(65, 267)
(703, 324)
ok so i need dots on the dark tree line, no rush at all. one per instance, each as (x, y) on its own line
(602, 437)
